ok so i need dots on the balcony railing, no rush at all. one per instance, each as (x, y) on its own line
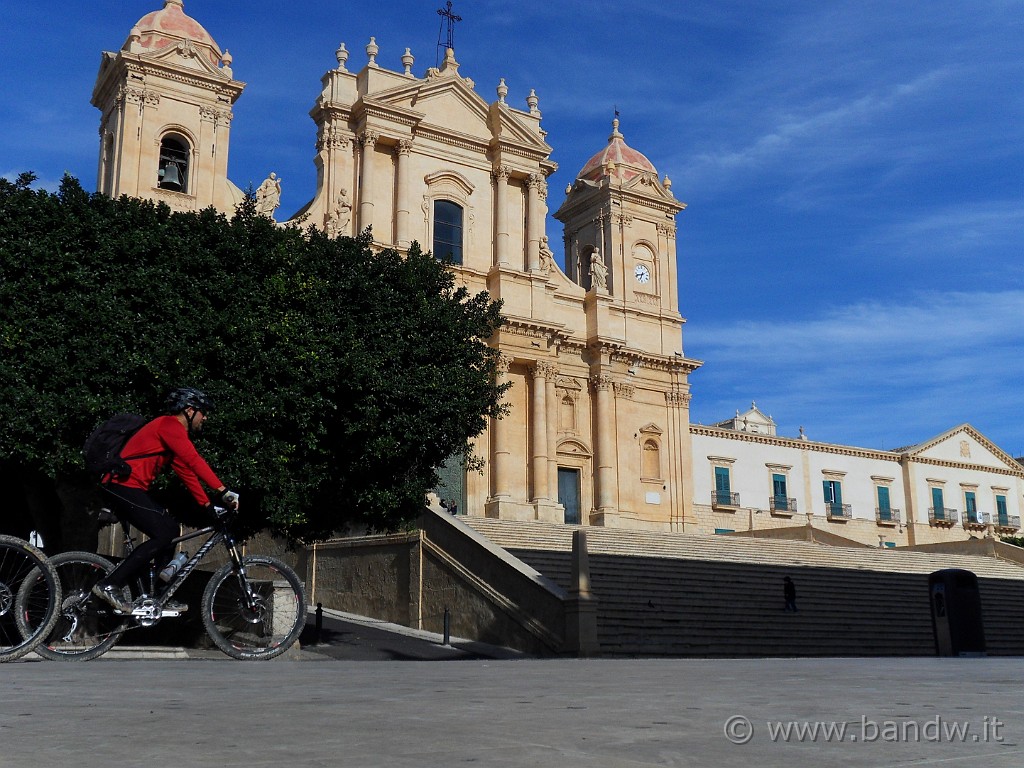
(975, 520)
(781, 505)
(839, 511)
(888, 516)
(941, 516)
(1007, 522)
(724, 499)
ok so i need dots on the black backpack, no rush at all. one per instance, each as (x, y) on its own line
(103, 447)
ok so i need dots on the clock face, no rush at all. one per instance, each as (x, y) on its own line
(642, 274)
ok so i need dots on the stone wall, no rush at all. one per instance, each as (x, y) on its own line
(410, 579)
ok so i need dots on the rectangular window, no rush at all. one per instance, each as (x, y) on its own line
(884, 510)
(1001, 510)
(723, 492)
(780, 496)
(971, 506)
(833, 497)
(938, 508)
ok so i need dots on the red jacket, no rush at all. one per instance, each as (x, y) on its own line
(168, 437)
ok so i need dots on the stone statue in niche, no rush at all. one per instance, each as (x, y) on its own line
(340, 216)
(547, 256)
(598, 272)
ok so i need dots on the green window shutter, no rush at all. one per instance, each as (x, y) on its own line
(779, 486)
(1001, 510)
(940, 511)
(827, 485)
(971, 506)
(884, 510)
(722, 479)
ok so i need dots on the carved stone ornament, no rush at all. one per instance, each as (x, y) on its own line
(545, 369)
(625, 390)
(601, 382)
(678, 399)
(501, 172)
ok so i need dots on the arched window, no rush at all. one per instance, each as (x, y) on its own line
(448, 231)
(174, 162)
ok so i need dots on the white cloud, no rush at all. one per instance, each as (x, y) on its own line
(870, 373)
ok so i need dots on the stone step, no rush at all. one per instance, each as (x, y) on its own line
(664, 594)
(537, 535)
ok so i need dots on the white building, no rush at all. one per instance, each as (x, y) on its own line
(956, 485)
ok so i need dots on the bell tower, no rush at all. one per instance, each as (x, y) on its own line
(166, 101)
(620, 242)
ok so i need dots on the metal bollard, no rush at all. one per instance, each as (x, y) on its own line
(319, 623)
(447, 626)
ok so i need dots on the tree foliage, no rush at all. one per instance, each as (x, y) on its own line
(344, 374)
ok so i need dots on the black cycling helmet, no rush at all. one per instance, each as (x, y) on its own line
(188, 397)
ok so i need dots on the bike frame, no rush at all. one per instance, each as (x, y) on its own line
(220, 535)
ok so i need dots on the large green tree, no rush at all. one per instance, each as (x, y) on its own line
(344, 374)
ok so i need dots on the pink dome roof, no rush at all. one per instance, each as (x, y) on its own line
(628, 162)
(169, 26)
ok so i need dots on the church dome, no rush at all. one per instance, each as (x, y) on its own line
(169, 26)
(628, 162)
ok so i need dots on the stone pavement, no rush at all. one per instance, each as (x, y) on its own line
(365, 699)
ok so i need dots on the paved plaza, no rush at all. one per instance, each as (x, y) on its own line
(369, 696)
(510, 713)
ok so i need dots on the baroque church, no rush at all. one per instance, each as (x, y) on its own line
(599, 430)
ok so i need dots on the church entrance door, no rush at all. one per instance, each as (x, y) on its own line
(569, 494)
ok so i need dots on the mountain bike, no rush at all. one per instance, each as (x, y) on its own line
(253, 607)
(29, 594)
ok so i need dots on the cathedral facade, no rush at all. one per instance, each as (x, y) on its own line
(598, 431)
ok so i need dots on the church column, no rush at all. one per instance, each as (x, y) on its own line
(679, 470)
(552, 437)
(534, 220)
(206, 172)
(501, 174)
(130, 179)
(501, 455)
(402, 238)
(604, 442)
(366, 193)
(539, 431)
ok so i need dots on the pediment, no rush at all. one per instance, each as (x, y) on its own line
(442, 101)
(966, 445)
(573, 447)
(648, 185)
(188, 55)
(506, 127)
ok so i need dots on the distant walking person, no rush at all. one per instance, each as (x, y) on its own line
(789, 592)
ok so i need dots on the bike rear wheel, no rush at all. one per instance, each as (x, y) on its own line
(86, 626)
(255, 613)
(29, 597)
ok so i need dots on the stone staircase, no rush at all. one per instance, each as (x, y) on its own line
(664, 594)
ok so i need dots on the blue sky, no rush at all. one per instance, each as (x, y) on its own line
(851, 257)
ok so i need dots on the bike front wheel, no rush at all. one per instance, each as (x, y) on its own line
(254, 612)
(29, 597)
(86, 626)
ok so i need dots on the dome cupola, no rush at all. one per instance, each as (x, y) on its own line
(627, 161)
(171, 26)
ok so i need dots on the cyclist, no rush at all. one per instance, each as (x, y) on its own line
(164, 440)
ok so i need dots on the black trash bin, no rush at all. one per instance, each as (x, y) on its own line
(956, 613)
